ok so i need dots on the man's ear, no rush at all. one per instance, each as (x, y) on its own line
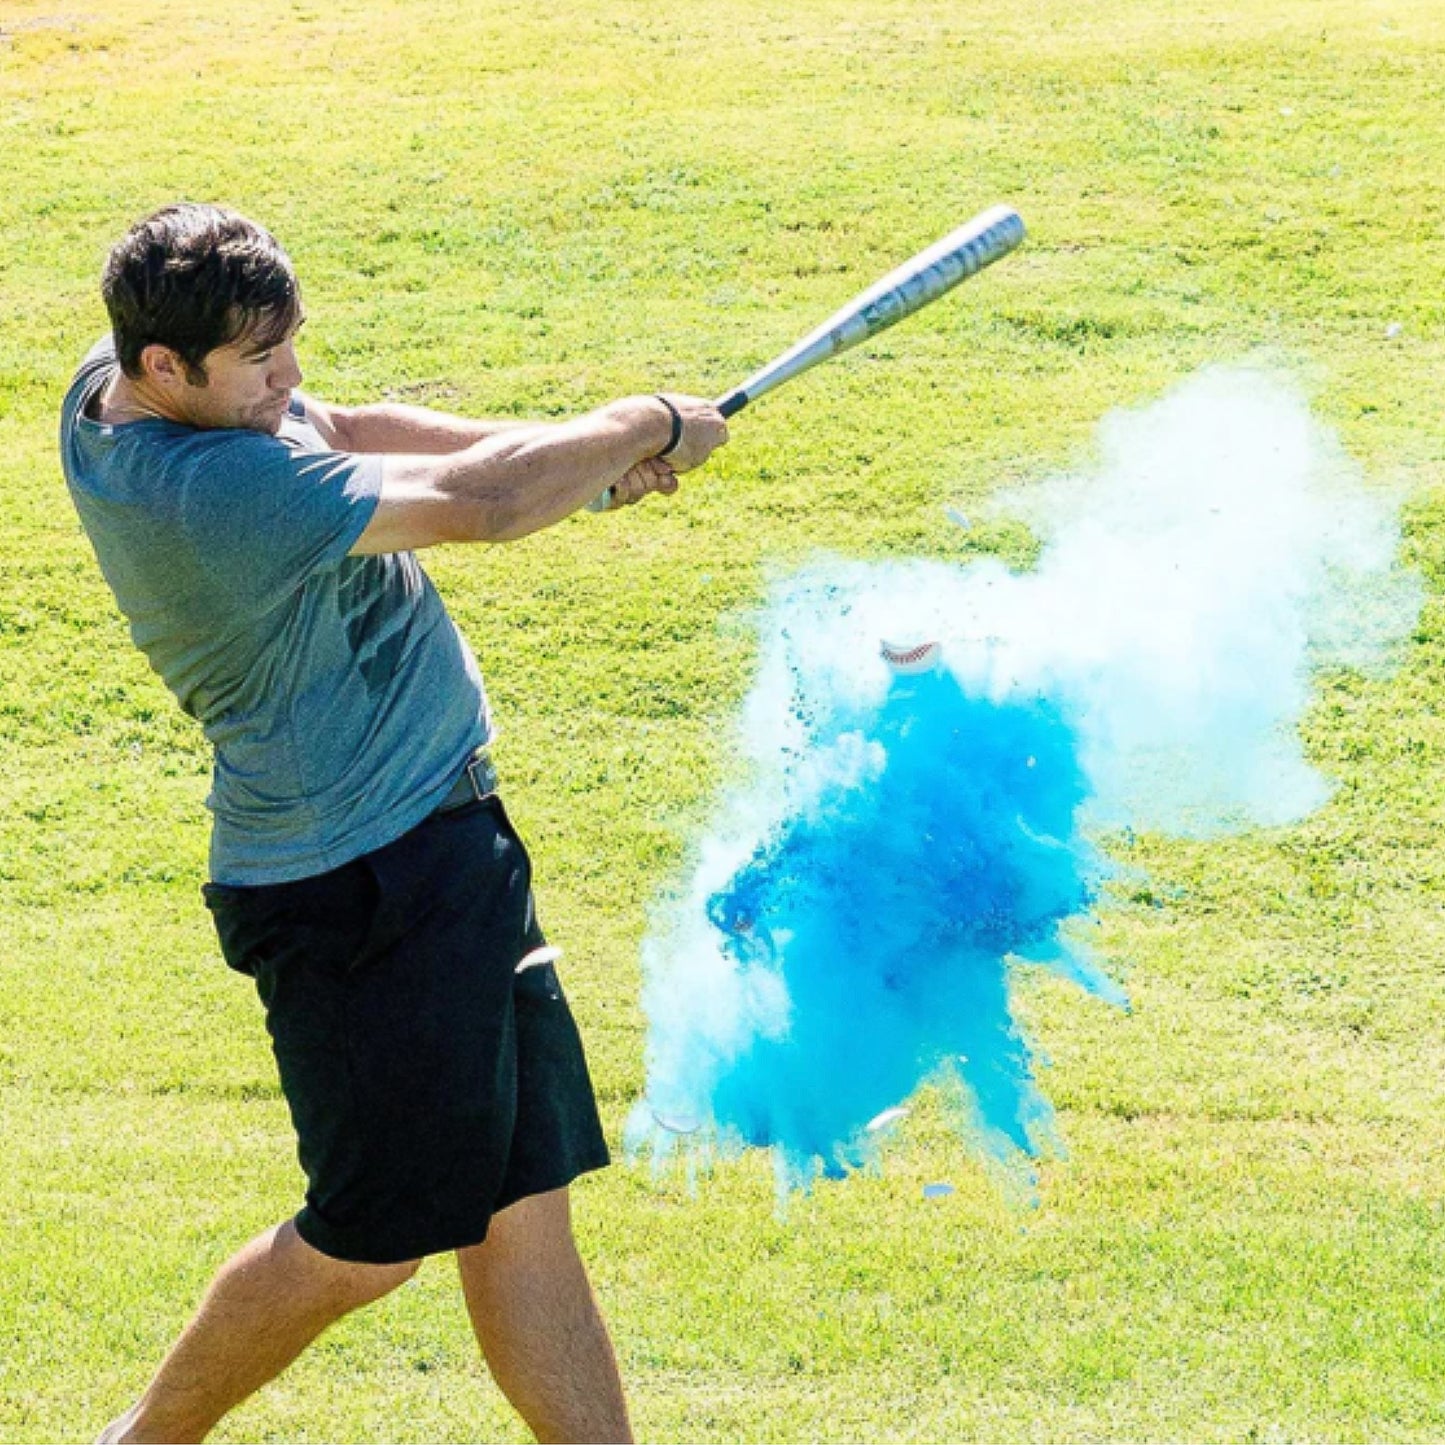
(164, 368)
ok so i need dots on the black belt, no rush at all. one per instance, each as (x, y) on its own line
(478, 780)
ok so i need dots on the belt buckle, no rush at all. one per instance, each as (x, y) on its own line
(482, 776)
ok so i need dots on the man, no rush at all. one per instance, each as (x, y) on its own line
(363, 870)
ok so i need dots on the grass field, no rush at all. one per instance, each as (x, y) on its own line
(507, 209)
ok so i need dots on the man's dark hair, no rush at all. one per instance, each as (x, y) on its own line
(193, 278)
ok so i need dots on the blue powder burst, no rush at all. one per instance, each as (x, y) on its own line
(850, 924)
(888, 910)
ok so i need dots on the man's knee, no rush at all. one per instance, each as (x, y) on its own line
(537, 1217)
(349, 1284)
(356, 1285)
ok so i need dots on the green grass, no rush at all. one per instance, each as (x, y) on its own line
(508, 209)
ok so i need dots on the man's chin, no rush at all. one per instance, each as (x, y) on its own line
(268, 421)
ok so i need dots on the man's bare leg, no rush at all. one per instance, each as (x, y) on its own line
(267, 1303)
(539, 1326)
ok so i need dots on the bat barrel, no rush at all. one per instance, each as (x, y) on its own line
(908, 288)
(931, 273)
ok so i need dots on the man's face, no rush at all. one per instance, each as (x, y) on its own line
(248, 386)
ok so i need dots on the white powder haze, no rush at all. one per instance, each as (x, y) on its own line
(1149, 672)
(1224, 549)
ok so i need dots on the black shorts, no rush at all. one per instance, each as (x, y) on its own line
(430, 1083)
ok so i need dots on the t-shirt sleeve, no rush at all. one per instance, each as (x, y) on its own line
(263, 516)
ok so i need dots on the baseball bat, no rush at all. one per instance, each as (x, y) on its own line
(904, 290)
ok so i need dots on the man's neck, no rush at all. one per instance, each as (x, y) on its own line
(124, 400)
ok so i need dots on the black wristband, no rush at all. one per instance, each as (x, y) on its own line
(676, 436)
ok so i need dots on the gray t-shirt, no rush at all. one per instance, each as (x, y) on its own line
(339, 696)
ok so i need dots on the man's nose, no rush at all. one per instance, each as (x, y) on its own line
(286, 370)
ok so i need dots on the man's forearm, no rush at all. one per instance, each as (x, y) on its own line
(529, 478)
(416, 430)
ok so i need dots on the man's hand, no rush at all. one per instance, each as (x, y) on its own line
(703, 431)
(653, 475)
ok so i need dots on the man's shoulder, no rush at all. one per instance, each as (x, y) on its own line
(95, 369)
(102, 353)
(298, 430)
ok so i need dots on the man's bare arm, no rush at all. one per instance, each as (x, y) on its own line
(394, 427)
(526, 478)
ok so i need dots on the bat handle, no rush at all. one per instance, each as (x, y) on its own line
(729, 405)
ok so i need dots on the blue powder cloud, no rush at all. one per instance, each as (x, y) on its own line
(889, 908)
(850, 925)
